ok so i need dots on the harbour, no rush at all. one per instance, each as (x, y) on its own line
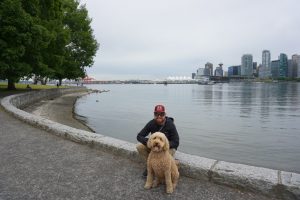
(250, 123)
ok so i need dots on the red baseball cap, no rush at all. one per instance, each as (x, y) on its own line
(159, 108)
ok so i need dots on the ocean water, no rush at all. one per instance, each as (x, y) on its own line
(249, 123)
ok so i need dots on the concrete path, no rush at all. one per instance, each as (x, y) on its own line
(37, 165)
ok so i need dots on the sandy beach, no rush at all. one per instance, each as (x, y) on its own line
(60, 110)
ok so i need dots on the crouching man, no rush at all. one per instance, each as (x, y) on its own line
(160, 123)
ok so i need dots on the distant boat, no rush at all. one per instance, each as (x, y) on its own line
(205, 81)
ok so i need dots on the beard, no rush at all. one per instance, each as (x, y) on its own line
(160, 121)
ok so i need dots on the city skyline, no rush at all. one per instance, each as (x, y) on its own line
(149, 40)
(263, 67)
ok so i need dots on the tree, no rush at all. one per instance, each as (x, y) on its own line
(15, 39)
(82, 46)
(41, 39)
(44, 39)
(52, 14)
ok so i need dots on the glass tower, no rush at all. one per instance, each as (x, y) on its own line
(266, 63)
(283, 65)
(296, 65)
(247, 65)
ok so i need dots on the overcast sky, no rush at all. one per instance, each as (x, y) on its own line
(155, 39)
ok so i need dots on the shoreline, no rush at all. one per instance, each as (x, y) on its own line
(61, 110)
(266, 181)
(81, 119)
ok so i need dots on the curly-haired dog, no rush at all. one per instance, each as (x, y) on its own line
(160, 164)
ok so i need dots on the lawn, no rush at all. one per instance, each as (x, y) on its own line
(22, 88)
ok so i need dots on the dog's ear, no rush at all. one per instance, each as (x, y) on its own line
(167, 144)
(149, 142)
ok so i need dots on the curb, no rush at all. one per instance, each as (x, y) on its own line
(274, 183)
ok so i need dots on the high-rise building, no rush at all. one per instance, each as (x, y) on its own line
(201, 73)
(283, 65)
(266, 64)
(209, 66)
(296, 65)
(275, 68)
(219, 70)
(247, 65)
(290, 73)
(193, 75)
(234, 70)
(255, 69)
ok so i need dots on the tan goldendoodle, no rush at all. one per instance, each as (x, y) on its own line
(161, 165)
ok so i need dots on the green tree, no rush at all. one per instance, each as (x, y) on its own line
(44, 39)
(52, 14)
(82, 46)
(15, 39)
(41, 39)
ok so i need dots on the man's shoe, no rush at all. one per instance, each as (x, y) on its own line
(145, 173)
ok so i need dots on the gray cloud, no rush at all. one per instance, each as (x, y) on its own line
(156, 39)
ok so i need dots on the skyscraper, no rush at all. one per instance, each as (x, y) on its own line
(209, 66)
(266, 64)
(296, 65)
(219, 70)
(283, 65)
(275, 68)
(247, 65)
(234, 70)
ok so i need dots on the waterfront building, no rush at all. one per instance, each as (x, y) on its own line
(255, 69)
(283, 65)
(296, 65)
(219, 70)
(206, 72)
(247, 65)
(275, 68)
(260, 71)
(234, 70)
(88, 80)
(209, 67)
(266, 64)
(200, 72)
(290, 69)
(193, 75)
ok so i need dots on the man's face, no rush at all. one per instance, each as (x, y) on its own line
(160, 117)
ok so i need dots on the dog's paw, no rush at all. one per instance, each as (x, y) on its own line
(155, 184)
(170, 190)
(147, 186)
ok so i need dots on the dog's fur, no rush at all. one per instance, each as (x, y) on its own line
(160, 164)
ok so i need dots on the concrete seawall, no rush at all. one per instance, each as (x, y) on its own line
(267, 181)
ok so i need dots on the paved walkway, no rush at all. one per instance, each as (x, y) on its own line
(35, 164)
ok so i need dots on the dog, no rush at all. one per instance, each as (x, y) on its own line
(161, 166)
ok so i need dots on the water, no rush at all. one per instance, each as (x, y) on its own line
(249, 123)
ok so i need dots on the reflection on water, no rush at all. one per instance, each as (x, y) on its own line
(251, 123)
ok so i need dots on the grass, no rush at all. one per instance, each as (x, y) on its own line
(22, 88)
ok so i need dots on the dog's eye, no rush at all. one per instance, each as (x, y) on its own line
(160, 139)
(154, 138)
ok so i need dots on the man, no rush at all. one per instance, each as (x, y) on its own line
(160, 123)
